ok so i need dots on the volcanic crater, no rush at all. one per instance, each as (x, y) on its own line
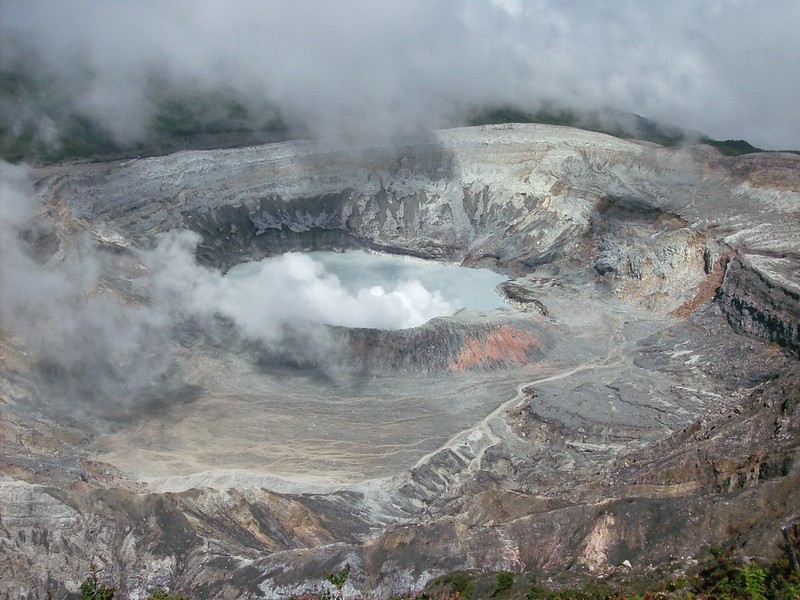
(647, 367)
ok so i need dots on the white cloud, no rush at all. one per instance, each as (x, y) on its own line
(512, 7)
(728, 69)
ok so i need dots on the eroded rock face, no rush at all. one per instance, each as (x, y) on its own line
(760, 296)
(607, 420)
(456, 344)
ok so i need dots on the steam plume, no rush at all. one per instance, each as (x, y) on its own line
(97, 346)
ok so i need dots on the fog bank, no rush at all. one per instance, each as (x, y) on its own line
(727, 69)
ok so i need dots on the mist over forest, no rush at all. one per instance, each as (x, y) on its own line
(80, 78)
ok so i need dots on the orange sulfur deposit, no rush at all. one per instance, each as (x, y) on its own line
(504, 345)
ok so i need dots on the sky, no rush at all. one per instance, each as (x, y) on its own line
(730, 69)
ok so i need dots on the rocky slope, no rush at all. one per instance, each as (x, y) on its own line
(760, 296)
(647, 377)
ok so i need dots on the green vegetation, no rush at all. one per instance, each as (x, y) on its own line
(162, 595)
(184, 113)
(722, 577)
(41, 119)
(35, 124)
(337, 580)
(611, 122)
(732, 147)
(505, 580)
(535, 591)
(618, 124)
(460, 584)
(93, 589)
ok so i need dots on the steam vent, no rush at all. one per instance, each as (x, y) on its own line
(634, 398)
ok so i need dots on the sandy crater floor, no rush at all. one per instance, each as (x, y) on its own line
(342, 429)
(293, 430)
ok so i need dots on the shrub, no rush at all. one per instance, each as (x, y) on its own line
(754, 579)
(783, 583)
(536, 591)
(337, 580)
(92, 589)
(505, 579)
(460, 584)
(160, 594)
